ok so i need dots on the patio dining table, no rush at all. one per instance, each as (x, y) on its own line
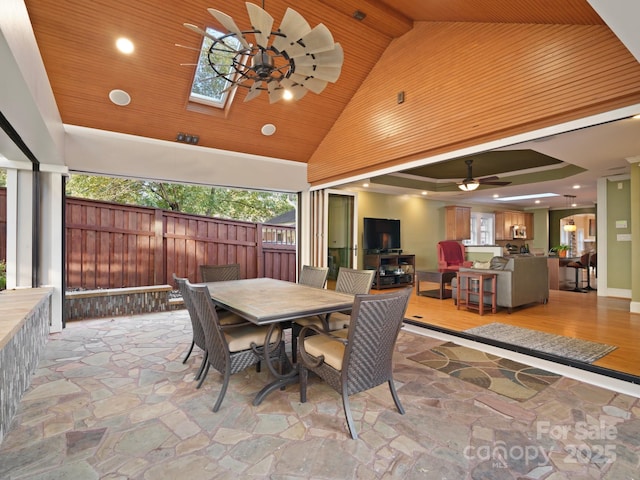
(267, 301)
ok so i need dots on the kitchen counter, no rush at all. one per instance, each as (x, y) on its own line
(483, 252)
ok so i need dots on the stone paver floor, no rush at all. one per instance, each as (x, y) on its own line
(113, 400)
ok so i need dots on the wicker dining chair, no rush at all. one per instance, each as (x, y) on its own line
(349, 281)
(230, 347)
(225, 317)
(220, 273)
(313, 276)
(198, 333)
(358, 358)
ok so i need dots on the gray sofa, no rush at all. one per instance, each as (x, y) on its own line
(521, 279)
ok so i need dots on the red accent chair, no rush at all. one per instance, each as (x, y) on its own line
(451, 255)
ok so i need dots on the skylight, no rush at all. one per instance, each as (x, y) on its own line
(207, 87)
(527, 197)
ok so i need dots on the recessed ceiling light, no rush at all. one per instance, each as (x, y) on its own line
(124, 45)
(268, 129)
(528, 197)
(576, 187)
(365, 185)
(120, 97)
(537, 201)
(423, 192)
(495, 195)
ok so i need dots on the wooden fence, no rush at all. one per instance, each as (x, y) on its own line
(112, 246)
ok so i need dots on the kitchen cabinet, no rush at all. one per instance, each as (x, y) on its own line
(504, 220)
(528, 222)
(457, 222)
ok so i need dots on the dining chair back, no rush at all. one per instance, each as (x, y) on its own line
(220, 273)
(198, 334)
(354, 281)
(360, 357)
(313, 276)
(349, 281)
(231, 348)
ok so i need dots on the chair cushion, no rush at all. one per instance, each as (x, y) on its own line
(337, 321)
(240, 338)
(333, 350)
(227, 318)
(344, 333)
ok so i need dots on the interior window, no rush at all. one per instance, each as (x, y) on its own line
(482, 229)
(209, 87)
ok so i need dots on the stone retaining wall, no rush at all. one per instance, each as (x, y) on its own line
(116, 302)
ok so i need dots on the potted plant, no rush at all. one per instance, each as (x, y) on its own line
(561, 250)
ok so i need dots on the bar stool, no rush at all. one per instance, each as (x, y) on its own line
(582, 264)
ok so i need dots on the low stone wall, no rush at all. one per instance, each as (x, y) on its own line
(25, 316)
(116, 302)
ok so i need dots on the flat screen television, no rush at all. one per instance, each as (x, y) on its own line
(382, 234)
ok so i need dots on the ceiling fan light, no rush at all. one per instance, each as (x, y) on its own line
(468, 186)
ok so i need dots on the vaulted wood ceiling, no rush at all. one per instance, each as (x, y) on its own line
(77, 43)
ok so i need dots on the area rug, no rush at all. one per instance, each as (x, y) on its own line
(567, 347)
(500, 375)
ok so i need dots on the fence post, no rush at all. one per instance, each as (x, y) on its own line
(159, 274)
(259, 252)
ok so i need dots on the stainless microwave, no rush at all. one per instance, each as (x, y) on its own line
(518, 231)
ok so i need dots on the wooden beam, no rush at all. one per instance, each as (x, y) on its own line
(379, 17)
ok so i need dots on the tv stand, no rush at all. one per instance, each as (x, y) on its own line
(393, 270)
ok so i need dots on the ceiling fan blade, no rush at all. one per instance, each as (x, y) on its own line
(293, 27)
(330, 58)
(298, 91)
(228, 23)
(317, 40)
(328, 74)
(488, 179)
(254, 91)
(213, 38)
(260, 20)
(495, 183)
(200, 31)
(314, 84)
(276, 92)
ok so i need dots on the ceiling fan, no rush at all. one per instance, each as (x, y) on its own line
(469, 184)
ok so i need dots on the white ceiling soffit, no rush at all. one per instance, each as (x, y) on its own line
(144, 158)
(26, 98)
(621, 16)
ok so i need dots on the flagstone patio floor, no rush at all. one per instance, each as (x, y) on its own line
(112, 399)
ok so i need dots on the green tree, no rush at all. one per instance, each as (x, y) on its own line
(215, 65)
(250, 206)
(3, 178)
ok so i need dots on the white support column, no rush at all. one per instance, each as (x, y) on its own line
(52, 231)
(19, 227)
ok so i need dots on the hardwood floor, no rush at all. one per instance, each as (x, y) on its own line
(580, 315)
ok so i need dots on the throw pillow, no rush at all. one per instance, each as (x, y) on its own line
(482, 265)
(498, 263)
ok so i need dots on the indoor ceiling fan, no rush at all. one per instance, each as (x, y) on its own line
(469, 183)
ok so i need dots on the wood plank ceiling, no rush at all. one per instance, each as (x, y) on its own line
(77, 43)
